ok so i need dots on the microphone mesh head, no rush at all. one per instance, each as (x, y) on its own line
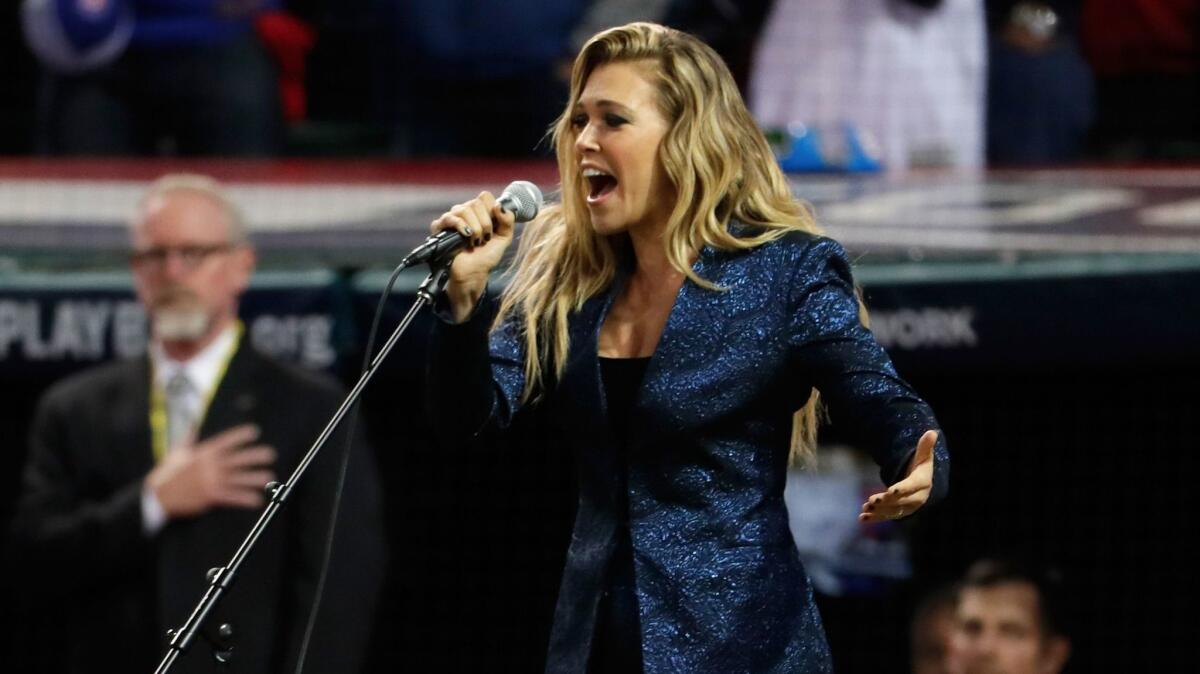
(525, 197)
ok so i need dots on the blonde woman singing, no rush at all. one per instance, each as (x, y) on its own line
(678, 314)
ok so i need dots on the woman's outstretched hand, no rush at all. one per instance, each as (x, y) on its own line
(907, 495)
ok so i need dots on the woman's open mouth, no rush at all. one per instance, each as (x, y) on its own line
(600, 185)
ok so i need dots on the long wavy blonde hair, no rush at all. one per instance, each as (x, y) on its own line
(720, 165)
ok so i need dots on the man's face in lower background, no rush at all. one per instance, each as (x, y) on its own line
(999, 631)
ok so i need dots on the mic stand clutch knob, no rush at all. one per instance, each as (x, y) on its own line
(221, 643)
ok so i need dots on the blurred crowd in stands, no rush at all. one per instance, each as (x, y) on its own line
(961, 83)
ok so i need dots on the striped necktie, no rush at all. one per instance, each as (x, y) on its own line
(180, 414)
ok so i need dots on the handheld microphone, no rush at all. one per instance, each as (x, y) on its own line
(521, 198)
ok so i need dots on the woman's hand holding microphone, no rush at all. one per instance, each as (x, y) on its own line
(489, 229)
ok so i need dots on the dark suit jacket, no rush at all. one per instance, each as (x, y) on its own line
(78, 530)
(719, 583)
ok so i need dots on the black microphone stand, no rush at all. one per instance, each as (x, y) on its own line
(222, 577)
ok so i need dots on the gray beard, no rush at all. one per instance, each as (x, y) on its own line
(180, 324)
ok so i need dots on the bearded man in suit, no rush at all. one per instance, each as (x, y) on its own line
(143, 474)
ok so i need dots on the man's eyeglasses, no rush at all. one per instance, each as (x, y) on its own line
(190, 257)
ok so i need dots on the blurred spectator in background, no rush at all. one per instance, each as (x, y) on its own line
(162, 77)
(1009, 620)
(145, 473)
(730, 28)
(909, 74)
(515, 57)
(931, 637)
(1146, 57)
(1040, 94)
(505, 54)
(603, 14)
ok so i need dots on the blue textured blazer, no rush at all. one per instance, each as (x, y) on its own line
(719, 584)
